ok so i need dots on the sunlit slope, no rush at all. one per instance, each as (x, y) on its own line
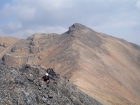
(105, 67)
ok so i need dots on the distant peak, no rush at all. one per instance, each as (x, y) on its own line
(76, 26)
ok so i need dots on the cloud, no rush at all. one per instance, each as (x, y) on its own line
(124, 24)
(138, 5)
(24, 17)
(16, 30)
(64, 12)
(10, 28)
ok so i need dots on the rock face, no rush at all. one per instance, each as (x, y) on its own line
(104, 67)
(15, 60)
(25, 50)
(22, 87)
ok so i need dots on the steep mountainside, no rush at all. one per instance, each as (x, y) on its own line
(104, 67)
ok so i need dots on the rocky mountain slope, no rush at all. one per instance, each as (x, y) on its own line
(6, 43)
(104, 67)
(22, 87)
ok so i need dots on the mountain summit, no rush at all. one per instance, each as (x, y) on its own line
(77, 26)
(102, 66)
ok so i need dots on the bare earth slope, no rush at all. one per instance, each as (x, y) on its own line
(105, 67)
(6, 43)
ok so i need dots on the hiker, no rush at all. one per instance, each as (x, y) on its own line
(46, 78)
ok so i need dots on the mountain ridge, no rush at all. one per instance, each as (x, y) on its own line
(105, 67)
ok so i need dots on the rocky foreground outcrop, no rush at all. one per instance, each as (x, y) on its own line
(21, 86)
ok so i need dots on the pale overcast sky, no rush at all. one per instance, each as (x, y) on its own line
(22, 18)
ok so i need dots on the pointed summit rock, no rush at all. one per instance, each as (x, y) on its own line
(81, 33)
(80, 30)
(77, 26)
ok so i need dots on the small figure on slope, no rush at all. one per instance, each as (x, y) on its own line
(45, 78)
